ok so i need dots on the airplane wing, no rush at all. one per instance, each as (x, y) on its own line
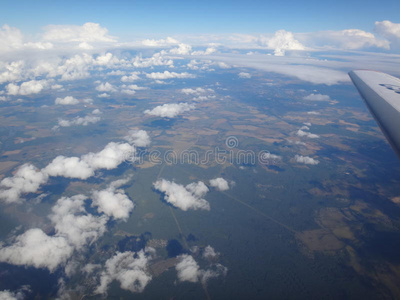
(381, 94)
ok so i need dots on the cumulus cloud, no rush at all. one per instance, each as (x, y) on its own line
(189, 197)
(138, 138)
(317, 97)
(70, 167)
(170, 110)
(344, 39)
(169, 75)
(88, 32)
(110, 157)
(182, 49)
(72, 222)
(188, 270)
(310, 135)
(8, 295)
(220, 184)
(74, 229)
(83, 121)
(85, 166)
(27, 179)
(130, 269)
(68, 100)
(160, 43)
(106, 87)
(244, 75)
(129, 78)
(283, 40)
(27, 87)
(305, 160)
(35, 248)
(113, 202)
(210, 253)
(388, 29)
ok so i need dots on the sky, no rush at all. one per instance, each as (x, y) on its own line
(130, 18)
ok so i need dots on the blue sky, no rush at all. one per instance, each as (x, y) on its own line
(128, 18)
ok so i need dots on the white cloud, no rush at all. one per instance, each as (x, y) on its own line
(88, 32)
(391, 31)
(170, 110)
(305, 160)
(84, 121)
(307, 134)
(12, 71)
(220, 184)
(344, 39)
(68, 100)
(69, 167)
(130, 269)
(169, 75)
(8, 295)
(85, 166)
(160, 43)
(313, 113)
(112, 202)
(208, 51)
(195, 91)
(72, 222)
(388, 29)
(210, 253)
(183, 49)
(110, 157)
(27, 87)
(187, 268)
(105, 87)
(37, 249)
(134, 76)
(283, 40)
(244, 75)
(317, 97)
(138, 138)
(27, 179)
(189, 197)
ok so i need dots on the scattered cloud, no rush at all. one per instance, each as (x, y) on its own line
(35, 248)
(138, 138)
(220, 184)
(113, 202)
(68, 100)
(189, 197)
(106, 87)
(130, 269)
(27, 179)
(27, 88)
(310, 135)
(83, 121)
(132, 77)
(244, 75)
(170, 110)
(188, 270)
(317, 97)
(210, 253)
(169, 75)
(305, 160)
